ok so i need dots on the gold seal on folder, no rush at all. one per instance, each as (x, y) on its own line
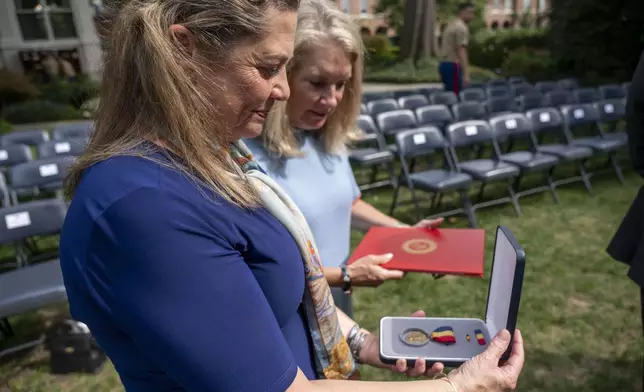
(419, 246)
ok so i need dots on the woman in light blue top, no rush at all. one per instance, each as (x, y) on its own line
(303, 146)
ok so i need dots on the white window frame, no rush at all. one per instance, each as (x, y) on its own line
(364, 7)
(527, 5)
(46, 12)
(346, 6)
(542, 5)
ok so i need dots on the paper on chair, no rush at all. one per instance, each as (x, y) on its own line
(18, 219)
(48, 170)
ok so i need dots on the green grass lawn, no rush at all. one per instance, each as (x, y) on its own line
(579, 313)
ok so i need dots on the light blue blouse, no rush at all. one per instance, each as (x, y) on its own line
(323, 187)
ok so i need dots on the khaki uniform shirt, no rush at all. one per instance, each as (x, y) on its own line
(456, 35)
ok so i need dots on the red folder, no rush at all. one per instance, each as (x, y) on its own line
(437, 251)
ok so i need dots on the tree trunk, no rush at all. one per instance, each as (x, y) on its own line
(417, 38)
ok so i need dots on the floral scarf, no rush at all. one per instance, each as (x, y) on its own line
(332, 353)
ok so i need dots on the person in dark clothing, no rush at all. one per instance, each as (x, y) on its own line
(627, 246)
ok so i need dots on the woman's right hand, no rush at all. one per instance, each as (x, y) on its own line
(367, 271)
(484, 373)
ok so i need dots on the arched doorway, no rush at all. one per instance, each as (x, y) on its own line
(365, 31)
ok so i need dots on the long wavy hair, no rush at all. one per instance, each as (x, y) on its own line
(148, 91)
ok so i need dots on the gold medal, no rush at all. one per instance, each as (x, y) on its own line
(414, 337)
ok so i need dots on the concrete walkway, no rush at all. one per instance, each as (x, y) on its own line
(374, 87)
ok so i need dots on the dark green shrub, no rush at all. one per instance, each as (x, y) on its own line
(15, 87)
(597, 41)
(489, 49)
(39, 111)
(533, 64)
(70, 92)
(5, 127)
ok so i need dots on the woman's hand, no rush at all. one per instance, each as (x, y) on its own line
(484, 373)
(370, 355)
(429, 223)
(367, 271)
(424, 224)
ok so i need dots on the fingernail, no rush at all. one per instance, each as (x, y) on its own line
(389, 256)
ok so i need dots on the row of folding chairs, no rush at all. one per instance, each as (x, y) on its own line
(16, 154)
(34, 137)
(388, 123)
(578, 128)
(524, 97)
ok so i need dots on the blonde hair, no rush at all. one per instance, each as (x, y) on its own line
(319, 21)
(149, 92)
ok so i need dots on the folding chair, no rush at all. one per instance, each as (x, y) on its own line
(568, 84)
(498, 92)
(497, 83)
(396, 121)
(496, 106)
(382, 106)
(437, 115)
(611, 91)
(41, 175)
(545, 87)
(14, 154)
(517, 126)
(559, 98)
(586, 95)
(486, 170)
(611, 113)
(404, 93)
(447, 98)
(363, 109)
(469, 111)
(479, 85)
(62, 147)
(376, 96)
(428, 91)
(517, 80)
(586, 116)
(32, 286)
(548, 121)
(73, 131)
(425, 142)
(371, 153)
(522, 89)
(472, 94)
(412, 102)
(30, 138)
(529, 101)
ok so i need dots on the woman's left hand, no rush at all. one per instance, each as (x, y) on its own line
(370, 355)
(429, 223)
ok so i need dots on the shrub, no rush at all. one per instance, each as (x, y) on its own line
(533, 64)
(379, 51)
(598, 41)
(5, 127)
(39, 111)
(70, 92)
(489, 49)
(15, 87)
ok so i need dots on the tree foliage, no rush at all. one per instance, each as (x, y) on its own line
(597, 40)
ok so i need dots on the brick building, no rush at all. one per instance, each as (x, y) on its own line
(500, 14)
(363, 13)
